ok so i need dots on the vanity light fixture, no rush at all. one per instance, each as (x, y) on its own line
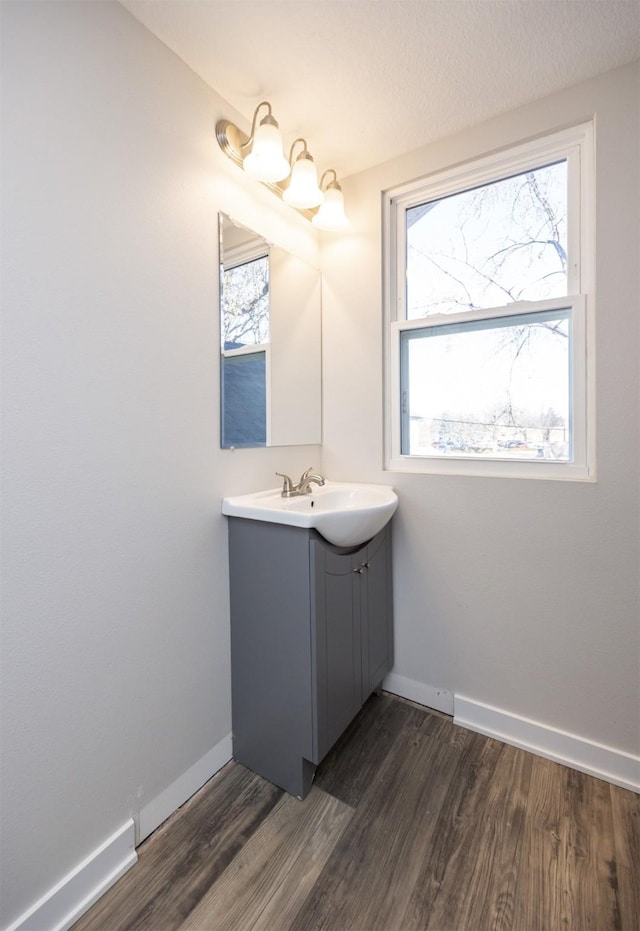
(302, 191)
(264, 159)
(331, 215)
(261, 155)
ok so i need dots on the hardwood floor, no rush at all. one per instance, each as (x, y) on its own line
(412, 823)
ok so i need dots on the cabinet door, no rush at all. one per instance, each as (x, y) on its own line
(271, 663)
(377, 633)
(336, 642)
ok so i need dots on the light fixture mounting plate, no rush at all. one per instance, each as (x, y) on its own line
(231, 140)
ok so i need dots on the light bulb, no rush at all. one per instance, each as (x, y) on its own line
(331, 215)
(303, 190)
(266, 161)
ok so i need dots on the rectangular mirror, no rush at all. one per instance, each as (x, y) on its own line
(270, 322)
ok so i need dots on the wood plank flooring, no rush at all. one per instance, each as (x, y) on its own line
(412, 823)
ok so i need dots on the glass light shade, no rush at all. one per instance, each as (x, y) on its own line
(331, 215)
(303, 190)
(266, 161)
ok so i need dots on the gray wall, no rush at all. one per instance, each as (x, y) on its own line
(520, 594)
(114, 575)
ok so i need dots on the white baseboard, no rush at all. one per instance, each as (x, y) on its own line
(76, 892)
(170, 799)
(615, 766)
(426, 695)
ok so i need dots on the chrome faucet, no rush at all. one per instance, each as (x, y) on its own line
(303, 487)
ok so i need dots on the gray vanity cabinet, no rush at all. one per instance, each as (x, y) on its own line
(311, 639)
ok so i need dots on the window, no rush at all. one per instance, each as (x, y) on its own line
(489, 323)
(245, 303)
(244, 399)
(245, 347)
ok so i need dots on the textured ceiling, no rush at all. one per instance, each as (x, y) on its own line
(365, 80)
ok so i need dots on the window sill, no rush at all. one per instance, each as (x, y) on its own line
(494, 468)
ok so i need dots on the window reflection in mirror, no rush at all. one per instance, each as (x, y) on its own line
(244, 318)
(270, 308)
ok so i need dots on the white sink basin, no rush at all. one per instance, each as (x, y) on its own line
(344, 514)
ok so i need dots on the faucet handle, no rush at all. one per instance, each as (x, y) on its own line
(305, 475)
(287, 484)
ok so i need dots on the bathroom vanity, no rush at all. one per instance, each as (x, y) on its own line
(311, 639)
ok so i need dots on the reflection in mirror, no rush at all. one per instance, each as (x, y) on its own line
(244, 311)
(270, 337)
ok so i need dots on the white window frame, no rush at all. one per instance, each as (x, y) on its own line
(576, 146)
(245, 252)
